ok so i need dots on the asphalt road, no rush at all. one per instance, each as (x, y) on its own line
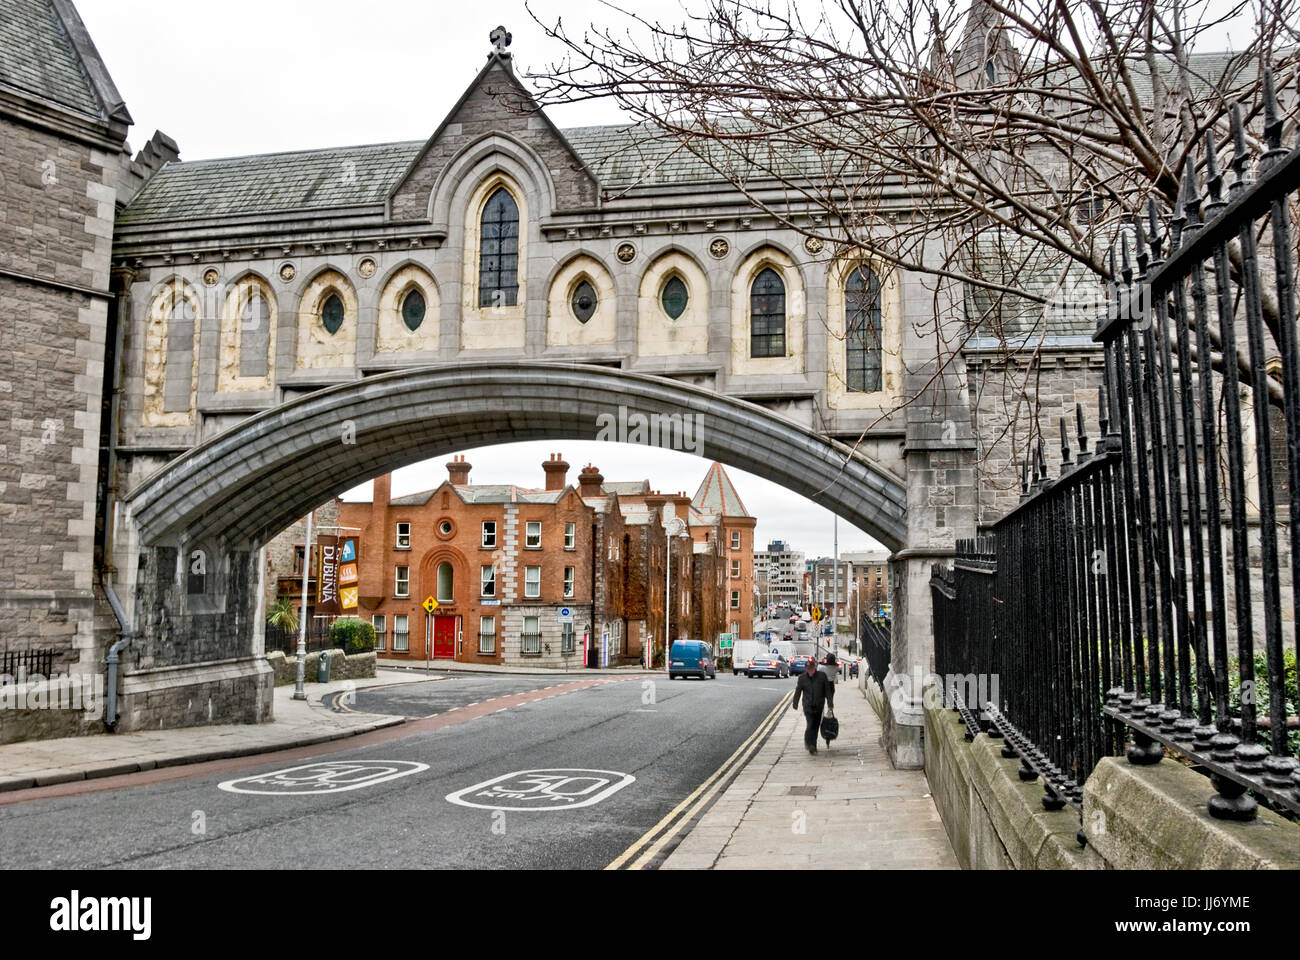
(654, 741)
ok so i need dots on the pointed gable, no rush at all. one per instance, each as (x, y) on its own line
(496, 102)
(717, 495)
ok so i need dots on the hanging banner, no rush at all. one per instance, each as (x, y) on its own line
(327, 576)
(348, 573)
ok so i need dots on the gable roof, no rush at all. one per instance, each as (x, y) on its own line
(45, 52)
(717, 495)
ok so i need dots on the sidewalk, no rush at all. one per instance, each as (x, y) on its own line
(297, 723)
(856, 811)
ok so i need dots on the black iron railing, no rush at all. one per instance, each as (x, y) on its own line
(25, 663)
(876, 647)
(1143, 591)
(286, 641)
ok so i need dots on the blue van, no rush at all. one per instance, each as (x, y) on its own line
(692, 658)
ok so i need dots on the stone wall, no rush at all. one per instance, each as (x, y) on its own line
(1134, 818)
(342, 667)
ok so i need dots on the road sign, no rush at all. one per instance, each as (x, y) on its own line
(724, 641)
(430, 604)
(817, 614)
(564, 615)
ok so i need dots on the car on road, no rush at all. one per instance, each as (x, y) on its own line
(799, 663)
(692, 658)
(768, 665)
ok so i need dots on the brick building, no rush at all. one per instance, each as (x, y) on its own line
(502, 560)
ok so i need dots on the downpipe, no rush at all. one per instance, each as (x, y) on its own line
(112, 659)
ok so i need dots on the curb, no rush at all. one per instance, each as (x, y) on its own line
(119, 768)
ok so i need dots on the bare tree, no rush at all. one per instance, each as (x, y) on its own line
(1003, 146)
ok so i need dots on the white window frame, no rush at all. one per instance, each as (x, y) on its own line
(735, 539)
(529, 543)
(402, 541)
(566, 638)
(489, 539)
(401, 584)
(487, 580)
(400, 619)
(570, 536)
(735, 569)
(526, 646)
(380, 622)
(735, 599)
(489, 635)
(535, 585)
(570, 578)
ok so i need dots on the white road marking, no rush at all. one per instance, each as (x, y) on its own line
(564, 788)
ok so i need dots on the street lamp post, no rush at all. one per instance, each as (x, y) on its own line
(299, 689)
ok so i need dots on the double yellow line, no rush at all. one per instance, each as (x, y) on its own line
(671, 825)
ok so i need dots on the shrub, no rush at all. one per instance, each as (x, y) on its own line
(352, 635)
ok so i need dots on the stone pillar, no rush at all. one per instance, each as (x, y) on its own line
(941, 508)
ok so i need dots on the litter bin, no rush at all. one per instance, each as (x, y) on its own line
(323, 667)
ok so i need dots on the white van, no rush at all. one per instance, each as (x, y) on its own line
(743, 651)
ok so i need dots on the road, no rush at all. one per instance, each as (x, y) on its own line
(655, 740)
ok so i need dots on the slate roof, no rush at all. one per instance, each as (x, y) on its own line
(37, 56)
(717, 495)
(301, 180)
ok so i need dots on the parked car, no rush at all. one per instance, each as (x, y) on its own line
(768, 665)
(692, 658)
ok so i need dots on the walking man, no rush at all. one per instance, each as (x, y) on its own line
(818, 693)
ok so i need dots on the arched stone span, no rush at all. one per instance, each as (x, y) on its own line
(246, 484)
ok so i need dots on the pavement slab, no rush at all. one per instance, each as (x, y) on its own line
(849, 809)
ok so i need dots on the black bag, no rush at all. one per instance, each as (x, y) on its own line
(830, 727)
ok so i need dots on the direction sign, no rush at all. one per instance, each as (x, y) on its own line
(430, 604)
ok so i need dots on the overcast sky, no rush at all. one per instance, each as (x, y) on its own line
(259, 76)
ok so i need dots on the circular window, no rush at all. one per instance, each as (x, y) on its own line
(446, 528)
(331, 313)
(413, 310)
(674, 297)
(584, 301)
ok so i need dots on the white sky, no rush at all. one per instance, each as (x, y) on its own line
(260, 76)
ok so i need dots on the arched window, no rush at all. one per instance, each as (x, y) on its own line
(331, 313)
(584, 301)
(498, 264)
(413, 308)
(446, 582)
(674, 297)
(767, 315)
(862, 331)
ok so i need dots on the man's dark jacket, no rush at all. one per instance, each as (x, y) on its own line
(817, 691)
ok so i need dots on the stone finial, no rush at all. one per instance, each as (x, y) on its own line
(500, 38)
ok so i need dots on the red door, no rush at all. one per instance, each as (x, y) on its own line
(444, 637)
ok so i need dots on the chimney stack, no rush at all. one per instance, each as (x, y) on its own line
(458, 471)
(383, 493)
(557, 472)
(682, 506)
(589, 481)
(655, 501)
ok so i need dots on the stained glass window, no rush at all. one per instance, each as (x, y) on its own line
(498, 274)
(413, 310)
(674, 297)
(331, 313)
(767, 315)
(862, 331)
(584, 302)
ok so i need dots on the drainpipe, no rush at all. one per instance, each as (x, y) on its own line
(110, 708)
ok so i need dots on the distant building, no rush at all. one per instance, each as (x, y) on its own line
(779, 573)
(871, 581)
(501, 562)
